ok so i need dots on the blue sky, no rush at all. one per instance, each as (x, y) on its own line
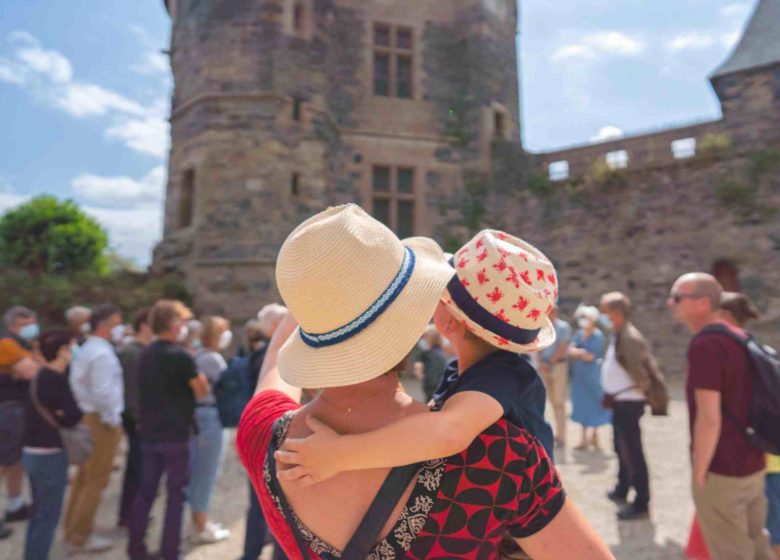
(84, 91)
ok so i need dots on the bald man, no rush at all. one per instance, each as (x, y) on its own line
(728, 472)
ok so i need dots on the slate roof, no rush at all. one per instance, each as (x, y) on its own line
(760, 43)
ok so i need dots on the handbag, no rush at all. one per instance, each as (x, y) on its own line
(76, 441)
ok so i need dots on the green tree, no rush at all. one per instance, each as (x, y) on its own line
(49, 236)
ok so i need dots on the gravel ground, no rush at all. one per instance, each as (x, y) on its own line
(587, 477)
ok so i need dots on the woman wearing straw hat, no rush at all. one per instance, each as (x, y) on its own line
(363, 299)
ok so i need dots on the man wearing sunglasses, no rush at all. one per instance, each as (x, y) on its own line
(728, 472)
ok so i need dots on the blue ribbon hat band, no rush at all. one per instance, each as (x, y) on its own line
(369, 315)
(484, 318)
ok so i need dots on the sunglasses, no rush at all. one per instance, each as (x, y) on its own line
(677, 297)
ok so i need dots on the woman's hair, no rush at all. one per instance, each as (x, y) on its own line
(739, 305)
(213, 327)
(165, 313)
(270, 316)
(588, 312)
(140, 318)
(50, 343)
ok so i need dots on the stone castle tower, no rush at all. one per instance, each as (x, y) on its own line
(284, 107)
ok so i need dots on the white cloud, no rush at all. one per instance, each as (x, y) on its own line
(129, 209)
(607, 133)
(736, 11)
(84, 99)
(50, 63)
(10, 199)
(573, 51)
(11, 73)
(154, 62)
(591, 46)
(728, 40)
(120, 190)
(48, 75)
(148, 134)
(691, 41)
(615, 42)
(133, 231)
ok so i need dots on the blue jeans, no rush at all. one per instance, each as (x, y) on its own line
(773, 512)
(206, 451)
(48, 475)
(257, 530)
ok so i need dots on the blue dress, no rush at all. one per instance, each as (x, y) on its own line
(586, 391)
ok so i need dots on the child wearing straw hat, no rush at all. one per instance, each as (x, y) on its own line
(495, 306)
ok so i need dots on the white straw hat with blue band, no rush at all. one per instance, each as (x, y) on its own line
(361, 296)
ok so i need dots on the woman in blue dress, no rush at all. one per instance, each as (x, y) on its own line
(585, 354)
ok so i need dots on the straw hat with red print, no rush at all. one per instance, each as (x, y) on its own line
(503, 291)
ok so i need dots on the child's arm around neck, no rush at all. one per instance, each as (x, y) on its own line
(412, 439)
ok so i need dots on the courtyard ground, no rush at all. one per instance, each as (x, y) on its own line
(587, 476)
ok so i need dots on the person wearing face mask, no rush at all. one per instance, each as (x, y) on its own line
(77, 318)
(191, 336)
(17, 367)
(96, 381)
(208, 446)
(168, 385)
(585, 354)
(51, 406)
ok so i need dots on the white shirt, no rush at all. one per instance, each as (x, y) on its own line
(96, 381)
(614, 378)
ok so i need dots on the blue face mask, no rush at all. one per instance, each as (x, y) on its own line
(197, 344)
(74, 352)
(30, 332)
(606, 322)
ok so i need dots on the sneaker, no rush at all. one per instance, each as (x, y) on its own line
(21, 514)
(633, 511)
(5, 532)
(616, 496)
(213, 532)
(94, 544)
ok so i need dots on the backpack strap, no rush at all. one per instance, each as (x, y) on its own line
(367, 533)
(286, 511)
(718, 328)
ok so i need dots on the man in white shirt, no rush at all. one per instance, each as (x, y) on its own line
(626, 377)
(96, 381)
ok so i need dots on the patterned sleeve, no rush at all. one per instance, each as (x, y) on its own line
(541, 494)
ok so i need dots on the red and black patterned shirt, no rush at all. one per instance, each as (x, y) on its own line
(460, 507)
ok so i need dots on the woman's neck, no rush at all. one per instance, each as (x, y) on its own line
(347, 397)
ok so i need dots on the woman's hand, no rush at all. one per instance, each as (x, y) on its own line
(312, 459)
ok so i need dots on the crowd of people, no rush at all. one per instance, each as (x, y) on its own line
(68, 395)
(481, 330)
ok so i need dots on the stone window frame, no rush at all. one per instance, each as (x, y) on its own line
(617, 159)
(393, 53)
(558, 170)
(394, 196)
(186, 198)
(299, 18)
(683, 148)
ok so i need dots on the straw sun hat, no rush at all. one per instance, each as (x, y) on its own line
(362, 297)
